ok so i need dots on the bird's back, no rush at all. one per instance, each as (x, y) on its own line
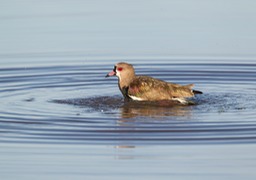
(148, 88)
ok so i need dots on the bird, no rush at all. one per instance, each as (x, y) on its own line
(146, 88)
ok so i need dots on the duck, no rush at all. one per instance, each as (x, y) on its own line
(146, 88)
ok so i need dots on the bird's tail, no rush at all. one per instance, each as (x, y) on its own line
(197, 92)
(190, 86)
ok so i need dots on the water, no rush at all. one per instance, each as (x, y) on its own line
(60, 118)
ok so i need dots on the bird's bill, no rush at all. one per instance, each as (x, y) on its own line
(112, 73)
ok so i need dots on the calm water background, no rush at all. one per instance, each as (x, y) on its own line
(61, 119)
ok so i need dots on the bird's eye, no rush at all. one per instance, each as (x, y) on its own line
(120, 69)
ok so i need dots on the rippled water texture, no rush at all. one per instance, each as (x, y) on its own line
(76, 104)
(60, 118)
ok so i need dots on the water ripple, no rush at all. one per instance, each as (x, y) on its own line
(76, 104)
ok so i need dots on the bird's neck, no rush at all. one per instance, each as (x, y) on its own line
(124, 82)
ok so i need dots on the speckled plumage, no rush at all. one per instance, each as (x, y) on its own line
(145, 88)
(153, 89)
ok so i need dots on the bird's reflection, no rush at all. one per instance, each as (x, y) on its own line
(133, 112)
(132, 109)
(132, 118)
(154, 109)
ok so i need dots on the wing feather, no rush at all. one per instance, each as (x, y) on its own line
(147, 88)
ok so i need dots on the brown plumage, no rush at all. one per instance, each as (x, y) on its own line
(145, 88)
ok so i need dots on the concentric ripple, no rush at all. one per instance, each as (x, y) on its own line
(76, 104)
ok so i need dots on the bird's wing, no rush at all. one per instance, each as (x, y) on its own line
(147, 88)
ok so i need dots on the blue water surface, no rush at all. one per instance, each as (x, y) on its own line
(61, 119)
